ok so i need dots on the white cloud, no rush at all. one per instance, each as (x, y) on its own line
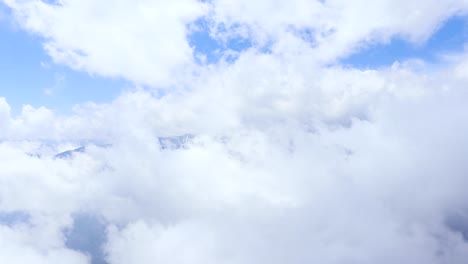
(146, 41)
(142, 41)
(265, 187)
(35, 244)
(337, 27)
(290, 162)
(4, 116)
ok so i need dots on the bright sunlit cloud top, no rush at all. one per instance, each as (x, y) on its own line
(223, 131)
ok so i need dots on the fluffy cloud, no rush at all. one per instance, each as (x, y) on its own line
(364, 184)
(143, 41)
(334, 27)
(225, 98)
(147, 41)
(17, 246)
(284, 160)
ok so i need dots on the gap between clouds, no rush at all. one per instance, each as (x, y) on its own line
(148, 42)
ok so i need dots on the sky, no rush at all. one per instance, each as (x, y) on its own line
(221, 131)
(449, 37)
(41, 82)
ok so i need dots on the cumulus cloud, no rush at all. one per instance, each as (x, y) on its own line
(334, 28)
(266, 188)
(274, 157)
(147, 41)
(143, 41)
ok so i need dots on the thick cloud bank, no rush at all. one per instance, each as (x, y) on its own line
(281, 156)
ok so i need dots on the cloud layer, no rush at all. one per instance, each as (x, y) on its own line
(289, 157)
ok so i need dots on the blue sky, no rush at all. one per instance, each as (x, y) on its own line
(27, 72)
(28, 75)
(449, 38)
(212, 49)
